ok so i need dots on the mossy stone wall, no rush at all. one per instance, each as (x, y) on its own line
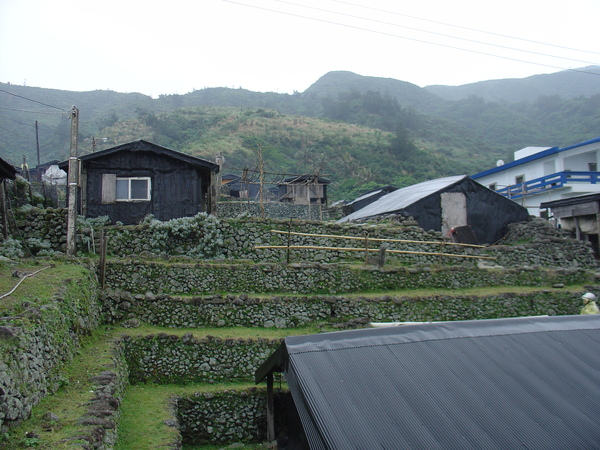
(36, 344)
(165, 359)
(205, 278)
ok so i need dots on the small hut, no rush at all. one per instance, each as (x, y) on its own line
(448, 204)
(130, 181)
(303, 189)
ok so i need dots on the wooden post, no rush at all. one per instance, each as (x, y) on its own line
(3, 210)
(72, 182)
(270, 410)
(289, 240)
(366, 249)
(103, 249)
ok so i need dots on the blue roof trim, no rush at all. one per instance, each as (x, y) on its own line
(533, 157)
(518, 162)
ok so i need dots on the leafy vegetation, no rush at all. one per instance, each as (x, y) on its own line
(359, 131)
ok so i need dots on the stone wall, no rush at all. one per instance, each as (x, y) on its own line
(228, 416)
(272, 210)
(36, 343)
(205, 237)
(138, 277)
(294, 311)
(169, 359)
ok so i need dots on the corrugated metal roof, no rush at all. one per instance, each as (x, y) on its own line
(145, 146)
(402, 198)
(507, 383)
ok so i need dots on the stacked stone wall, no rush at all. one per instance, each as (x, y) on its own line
(205, 278)
(38, 342)
(294, 311)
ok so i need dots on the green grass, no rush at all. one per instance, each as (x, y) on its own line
(69, 402)
(36, 289)
(145, 409)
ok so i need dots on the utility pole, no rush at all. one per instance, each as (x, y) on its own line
(72, 183)
(37, 142)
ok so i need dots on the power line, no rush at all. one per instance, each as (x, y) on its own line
(411, 39)
(466, 28)
(30, 111)
(34, 101)
(432, 32)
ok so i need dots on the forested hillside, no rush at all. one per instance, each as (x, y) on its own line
(359, 131)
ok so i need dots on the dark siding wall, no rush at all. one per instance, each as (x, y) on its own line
(176, 186)
(488, 213)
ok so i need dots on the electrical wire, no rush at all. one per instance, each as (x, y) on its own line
(31, 111)
(411, 39)
(34, 101)
(465, 28)
(434, 32)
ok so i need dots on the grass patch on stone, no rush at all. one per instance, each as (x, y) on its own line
(227, 332)
(146, 408)
(36, 289)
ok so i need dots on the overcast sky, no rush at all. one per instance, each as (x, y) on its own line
(177, 46)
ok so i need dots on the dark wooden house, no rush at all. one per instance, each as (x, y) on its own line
(130, 181)
(303, 189)
(7, 171)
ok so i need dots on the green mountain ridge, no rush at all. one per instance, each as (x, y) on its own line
(363, 131)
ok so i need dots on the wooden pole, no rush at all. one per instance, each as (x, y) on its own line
(270, 410)
(37, 142)
(103, 249)
(352, 249)
(3, 210)
(289, 241)
(72, 188)
(262, 182)
(379, 239)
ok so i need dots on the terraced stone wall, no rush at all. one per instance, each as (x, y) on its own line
(228, 416)
(169, 359)
(139, 277)
(293, 311)
(37, 341)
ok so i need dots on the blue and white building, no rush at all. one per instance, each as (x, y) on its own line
(543, 174)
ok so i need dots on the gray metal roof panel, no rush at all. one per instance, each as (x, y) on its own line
(529, 383)
(402, 198)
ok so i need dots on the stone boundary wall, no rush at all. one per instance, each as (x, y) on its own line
(138, 277)
(37, 343)
(538, 242)
(169, 359)
(204, 418)
(272, 210)
(294, 311)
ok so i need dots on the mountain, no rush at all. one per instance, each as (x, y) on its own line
(359, 129)
(566, 84)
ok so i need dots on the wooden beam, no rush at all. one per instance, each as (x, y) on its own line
(270, 410)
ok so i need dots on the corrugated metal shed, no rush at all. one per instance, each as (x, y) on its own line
(447, 203)
(401, 198)
(507, 383)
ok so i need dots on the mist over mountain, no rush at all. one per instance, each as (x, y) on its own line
(361, 131)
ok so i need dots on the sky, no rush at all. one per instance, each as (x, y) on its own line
(178, 46)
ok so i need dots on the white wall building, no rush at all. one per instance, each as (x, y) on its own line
(543, 174)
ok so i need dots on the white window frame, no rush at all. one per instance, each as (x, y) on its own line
(129, 180)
